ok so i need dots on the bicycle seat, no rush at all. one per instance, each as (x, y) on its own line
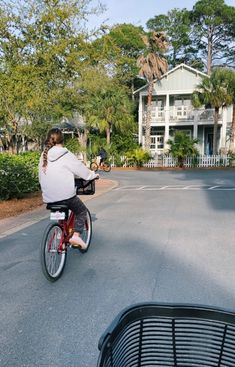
(57, 207)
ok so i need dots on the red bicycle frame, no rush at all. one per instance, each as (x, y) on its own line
(67, 226)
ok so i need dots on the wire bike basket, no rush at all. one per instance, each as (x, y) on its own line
(166, 335)
(84, 187)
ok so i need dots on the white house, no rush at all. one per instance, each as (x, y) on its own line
(172, 110)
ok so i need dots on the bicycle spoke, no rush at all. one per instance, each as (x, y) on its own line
(87, 232)
(54, 258)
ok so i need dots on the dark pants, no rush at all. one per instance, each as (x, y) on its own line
(79, 209)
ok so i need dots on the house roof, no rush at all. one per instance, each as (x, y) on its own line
(73, 123)
(180, 66)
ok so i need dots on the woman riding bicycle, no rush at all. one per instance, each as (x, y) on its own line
(58, 168)
(103, 155)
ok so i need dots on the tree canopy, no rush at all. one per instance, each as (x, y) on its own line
(52, 67)
(176, 25)
(214, 91)
(213, 32)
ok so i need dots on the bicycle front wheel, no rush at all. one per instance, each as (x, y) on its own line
(94, 166)
(107, 167)
(87, 231)
(52, 258)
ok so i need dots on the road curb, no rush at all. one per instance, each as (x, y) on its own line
(12, 225)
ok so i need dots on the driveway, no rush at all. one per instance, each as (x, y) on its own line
(158, 236)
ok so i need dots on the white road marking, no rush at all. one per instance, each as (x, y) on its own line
(175, 187)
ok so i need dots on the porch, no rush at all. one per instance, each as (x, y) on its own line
(204, 134)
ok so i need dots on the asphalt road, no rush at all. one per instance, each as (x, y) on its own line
(159, 236)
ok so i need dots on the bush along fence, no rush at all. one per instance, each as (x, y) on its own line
(18, 175)
(201, 161)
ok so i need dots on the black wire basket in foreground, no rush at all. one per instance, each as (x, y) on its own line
(84, 187)
(169, 335)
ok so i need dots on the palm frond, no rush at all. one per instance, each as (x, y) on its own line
(159, 40)
(145, 40)
(141, 61)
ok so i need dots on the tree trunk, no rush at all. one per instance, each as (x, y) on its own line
(12, 144)
(209, 52)
(149, 117)
(216, 118)
(232, 132)
(12, 137)
(82, 138)
(174, 58)
(108, 133)
(132, 90)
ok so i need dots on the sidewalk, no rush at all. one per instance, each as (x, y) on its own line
(14, 224)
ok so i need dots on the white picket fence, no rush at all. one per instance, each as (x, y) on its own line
(168, 161)
(200, 161)
(152, 164)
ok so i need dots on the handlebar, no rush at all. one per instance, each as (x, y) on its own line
(85, 187)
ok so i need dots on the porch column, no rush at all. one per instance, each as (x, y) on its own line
(195, 125)
(140, 118)
(167, 117)
(222, 142)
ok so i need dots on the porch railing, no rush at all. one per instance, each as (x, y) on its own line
(181, 113)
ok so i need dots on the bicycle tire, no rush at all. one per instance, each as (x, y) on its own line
(106, 167)
(87, 232)
(48, 263)
(94, 166)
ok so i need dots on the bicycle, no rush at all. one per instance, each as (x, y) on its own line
(95, 166)
(55, 241)
(169, 335)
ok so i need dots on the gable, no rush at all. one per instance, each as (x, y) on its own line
(182, 78)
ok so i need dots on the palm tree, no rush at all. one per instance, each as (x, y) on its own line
(105, 103)
(213, 91)
(182, 146)
(110, 108)
(152, 66)
(231, 87)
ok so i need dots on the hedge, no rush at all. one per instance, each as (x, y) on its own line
(18, 174)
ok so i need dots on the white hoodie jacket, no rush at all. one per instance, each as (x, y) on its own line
(57, 182)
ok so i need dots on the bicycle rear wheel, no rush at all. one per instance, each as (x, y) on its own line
(94, 166)
(87, 231)
(52, 259)
(106, 167)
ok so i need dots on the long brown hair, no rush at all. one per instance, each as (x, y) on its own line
(54, 136)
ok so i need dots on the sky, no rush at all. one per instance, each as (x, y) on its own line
(138, 12)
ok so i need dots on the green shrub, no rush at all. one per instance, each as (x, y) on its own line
(116, 158)
(182, 146)
(73, 145)
(138, 157)
(18, 174)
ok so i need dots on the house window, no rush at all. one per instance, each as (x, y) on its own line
(186, 131)
(180, 107)
(179, 101)
(160, 142)
(157, 142)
